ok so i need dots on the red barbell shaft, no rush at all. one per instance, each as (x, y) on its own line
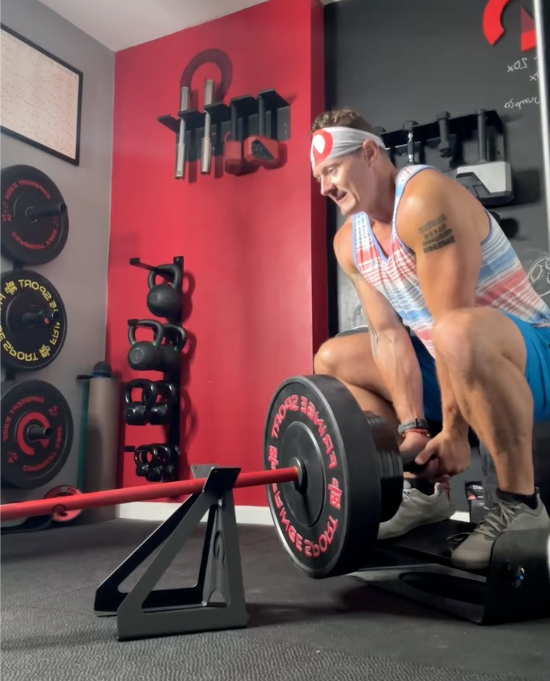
(110, 497)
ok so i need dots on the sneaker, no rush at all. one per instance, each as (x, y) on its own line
(475, 552)
(417, 509)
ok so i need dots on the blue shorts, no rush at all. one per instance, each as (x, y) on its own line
(537, 371)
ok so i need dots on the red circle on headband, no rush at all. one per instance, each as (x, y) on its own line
(321, 146)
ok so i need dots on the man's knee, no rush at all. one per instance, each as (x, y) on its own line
(474, 338)
(327, 359)
(456, 338)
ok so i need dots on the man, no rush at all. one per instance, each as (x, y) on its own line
(457, 333)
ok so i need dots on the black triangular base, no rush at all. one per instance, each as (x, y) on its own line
(145, 612)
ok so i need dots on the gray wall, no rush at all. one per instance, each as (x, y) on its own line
(396, 60)
(80, 272)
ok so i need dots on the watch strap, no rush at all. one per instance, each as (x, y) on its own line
(413, 424)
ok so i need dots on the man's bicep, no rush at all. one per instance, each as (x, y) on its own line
(448, 274)
(448, 254)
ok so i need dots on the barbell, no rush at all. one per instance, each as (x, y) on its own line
(333, 473)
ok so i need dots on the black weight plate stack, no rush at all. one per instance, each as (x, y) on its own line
(37, 434)
(328, 524)
(35, 223)
(33, 321)
(391, 465)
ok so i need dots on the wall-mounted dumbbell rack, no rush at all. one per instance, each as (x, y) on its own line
(488, 177)
(158, 462)
(445, 132)
(247, 133)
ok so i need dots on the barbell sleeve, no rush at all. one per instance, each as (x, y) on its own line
(29, 318)
(48, 211)
(111, 497)
(206, 146)
(180, 145)
(36, 432)
(180, 152)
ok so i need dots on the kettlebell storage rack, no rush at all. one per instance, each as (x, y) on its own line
(250, 122)
(158, 462)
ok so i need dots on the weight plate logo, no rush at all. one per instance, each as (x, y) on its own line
(33, 321)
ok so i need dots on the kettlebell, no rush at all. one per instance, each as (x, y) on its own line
(170, 470)
(165, 465)
(161, 412)
(151, 460)
(146, 355)
(175, 338)
(137, 413)
(161, 460)
(164, 300)
(145, 457)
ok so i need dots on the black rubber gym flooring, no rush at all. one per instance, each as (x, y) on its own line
(299, 628)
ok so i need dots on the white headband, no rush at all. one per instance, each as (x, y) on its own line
(338, 141)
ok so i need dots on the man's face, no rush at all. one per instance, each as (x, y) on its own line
(348, 180)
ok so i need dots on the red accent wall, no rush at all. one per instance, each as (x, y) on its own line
(254, 246)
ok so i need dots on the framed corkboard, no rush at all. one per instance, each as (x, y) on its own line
(41, 97)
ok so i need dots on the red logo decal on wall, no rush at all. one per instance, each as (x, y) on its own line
(528, 34)
(494, 30)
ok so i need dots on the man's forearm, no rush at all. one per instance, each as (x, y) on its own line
(452, 416)
(397, 362)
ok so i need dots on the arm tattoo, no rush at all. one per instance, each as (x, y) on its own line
(436, 234)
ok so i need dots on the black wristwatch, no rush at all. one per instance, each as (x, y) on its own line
(413, 424)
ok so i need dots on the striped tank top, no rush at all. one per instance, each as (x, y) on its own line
(502, 284)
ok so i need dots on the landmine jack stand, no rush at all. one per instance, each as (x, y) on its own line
(145, 612)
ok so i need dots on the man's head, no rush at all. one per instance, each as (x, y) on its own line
(350, 162)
